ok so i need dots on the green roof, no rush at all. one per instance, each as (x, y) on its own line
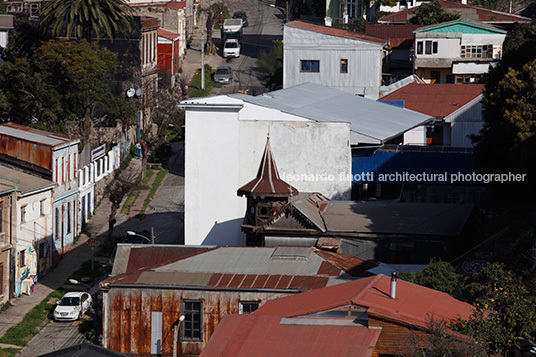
(462, 26)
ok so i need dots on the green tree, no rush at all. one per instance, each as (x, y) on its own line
(271, 67)
(82, 17)
(505, 310)
(432, 13)
(62, 81)
(438, 275)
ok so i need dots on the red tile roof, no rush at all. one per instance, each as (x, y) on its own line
(168, 34)
(251, 335)
(395, 33)
(268, 181)
(467, 12)
(413, 305)
(332, 31)
(438, 100)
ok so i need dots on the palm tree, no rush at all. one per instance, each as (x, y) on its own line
(81, 17)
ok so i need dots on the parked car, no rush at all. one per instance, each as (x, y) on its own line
(231, 48)
(241, 15)
(224, 74)
(72, 306)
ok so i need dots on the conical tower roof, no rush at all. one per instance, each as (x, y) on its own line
(267, 182)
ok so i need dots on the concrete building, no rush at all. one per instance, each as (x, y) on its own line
(312, 130)
(33, 224)
(53, 157)
(459, 51)
(345, 60)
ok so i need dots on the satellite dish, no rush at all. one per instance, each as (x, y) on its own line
(139, 92)
(131, 92)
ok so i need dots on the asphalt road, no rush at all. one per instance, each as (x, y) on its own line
(265, 26)
(55, 336)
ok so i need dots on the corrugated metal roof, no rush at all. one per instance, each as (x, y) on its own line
(251, 335)
(174, 278)
(414, 304)
(437, 100)
(441, 219)
(463, 26)
(35, 135)
(250, 260)
(333, 31)
(22, 181)
(368, 117)
(467, 12)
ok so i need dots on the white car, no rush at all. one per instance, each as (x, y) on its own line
(72, 306)
(231, 48)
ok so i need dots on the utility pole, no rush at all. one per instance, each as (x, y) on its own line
(203, 55)
(152, 235)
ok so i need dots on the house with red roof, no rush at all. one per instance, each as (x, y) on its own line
(401, 313)
(469, 12)
(152, 286)
(346, 60)
(456, 108)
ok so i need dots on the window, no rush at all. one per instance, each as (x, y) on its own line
(477, 51)
(74, 165)
(69, 169)
(62, 170)
(68, 217)
(1, 220)
(430, 47)
(57, 176)
(57, 223)
(22, 259)
(310, 66)
(344, 66)
(192, 320)
(468, 78)
(42, 207)
(247, 307)
(23, 214)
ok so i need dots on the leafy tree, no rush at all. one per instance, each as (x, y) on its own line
(82, 17)
(271, 67)
(438, 275)
(505, 310)
(432, 13)
(62, 81)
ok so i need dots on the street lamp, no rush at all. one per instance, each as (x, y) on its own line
(176, 325)
(76, 282)
(283, 10)
(131, 233)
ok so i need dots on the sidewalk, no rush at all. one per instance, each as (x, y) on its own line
(70, 262)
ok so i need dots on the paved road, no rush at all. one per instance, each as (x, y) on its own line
(265, 26)
(54, 336)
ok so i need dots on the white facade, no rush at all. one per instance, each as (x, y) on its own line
(225, 139)
(415, 136)
(361, 74)
(462, 123)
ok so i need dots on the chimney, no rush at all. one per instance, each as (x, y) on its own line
(394, 274)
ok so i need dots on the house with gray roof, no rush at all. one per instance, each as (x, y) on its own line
(313, 130)
(143, 302)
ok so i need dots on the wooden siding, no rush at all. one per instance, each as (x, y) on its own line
(129, 315)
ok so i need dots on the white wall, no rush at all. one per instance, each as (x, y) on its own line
(415, 136)
(223, 153)
(464, 122)
(364, 61)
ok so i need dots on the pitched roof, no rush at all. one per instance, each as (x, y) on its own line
(23, 182)
(332, 31)
(467, 12)
(35, 135)
(168, 34)
(461, 25)
(251, 335)
(397, 34)
(414, 304)
(267, 182)
(437, 100)
(282, 268)
(372, 119)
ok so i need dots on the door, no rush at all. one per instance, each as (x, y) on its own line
(156, 332)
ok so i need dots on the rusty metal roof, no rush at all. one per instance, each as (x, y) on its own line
(267, 182)
(35, 135)
(413, 305)
(252, 335)
(283, 268)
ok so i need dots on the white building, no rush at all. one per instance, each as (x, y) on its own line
(32, 226)
(459, 51)
(312, 131)
(346, 60)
